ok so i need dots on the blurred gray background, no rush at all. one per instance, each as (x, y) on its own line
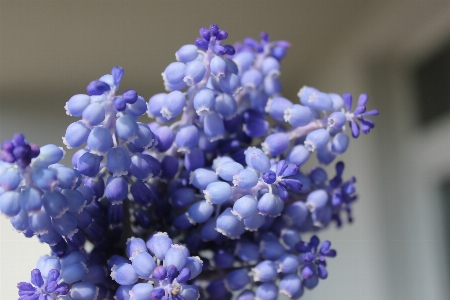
(398, 246)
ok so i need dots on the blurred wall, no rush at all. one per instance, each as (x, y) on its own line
(50, 50)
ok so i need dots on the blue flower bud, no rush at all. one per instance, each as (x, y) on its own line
(67, 178)
(126, 128)
(318, 175)
(65, 225)
(218, 67)
(230, 83)
(155, 104)
(271, 249)
(291, 285)
(9, 203)
(244, 207)
(213, 126)
(223, 259)
(89, 164)
(141, 291)
(165, 137)
(217, 192)
(119, 104)
(174, 73)
(74, 272)
(134, 246)
(100, 140)
(246, 295)
(93, 114)
(265, 271)
(255, 221)
(39, 222)
(277, 106)
(200, 178)
(116, 189)
(123, 292)
(144, 166)
(143, 264)
(159, 244)
(227, 170)
(49, 263)
(208, 231)
(10, 180)
(173, 105)
(55, 203)
(138, 108)
(313, 98)
(186, 138)
(237, 279)
(97, 87)
(225, 105)
(340, 143)
(251, 79)
(270, 66)
(124, 274)
(20, 221)
(194, 72)
(244, 60)
(194, 264)
(118, 161)
(169, 167)
(176, 256)
(201, 43)
(76, 105)
(295, 214)
(317, 200)
(200, 212)
(227, 223)
(288, 263)
(272, 86)
(194, 159)
(255, 158)
(336, 120)
(75, 200)
(298, 155)
(338, 102)
(298, 115)
(246, 178)
(189, 292)
(186, 53)
(76, 135)
(204, 101)
(317, 139)
(312, 282)
(276, 143)
(45, 179)
(267, 291)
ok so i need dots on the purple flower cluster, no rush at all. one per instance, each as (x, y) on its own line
(215, 181)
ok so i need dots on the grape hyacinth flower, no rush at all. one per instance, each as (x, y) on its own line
(209, 198)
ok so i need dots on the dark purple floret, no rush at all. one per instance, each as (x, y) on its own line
(269, 177)
(214, 29)
(160, 272)
(229, 50)
(130, 96)
(220, 50)
(201, 43)
(97, 87)
(117, 73)
(18, 150)
(222, 35)
(205, 34)
(172, 273)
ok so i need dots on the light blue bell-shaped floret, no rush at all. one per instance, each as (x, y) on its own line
(247, 251)
(230, 84)
(267, 204)
(107, 78)
(194, 72)
(246, 178)
(174, 73)
(186, 53)
(227, 223)
(39, 222)
(288, 263)
(76, 135)
(135, 246)
(314, 98)
(73, 257)
(145, 137)
(276, 143)
(213, 126)
(272, 86)
(255, 158)
(116, 189)
(66, 225)
(246, 295)
(336, 120)
(271, 249)
(200, 212)
(255, 221)
(164, 137)
(227, 170)
(74, 272)
(340, 143)
(271, 66)
(251, 79)
(244, 207)
(159, 244)
(290, 237)
(186, 138)
(298, 155)
(9, 203)
(173, 87)
(217, 192)
(124, 274)
(277, 106)
(83, 291)
(176, 256)
(264, 271)
(237, 279)
(218, 67)
(213, 84)
(225, 105)
(237, 231)
(338, 102)
(76, 104)
(20, 221)
(311, 282)
(155, 104)
(182, 197)
(317, 139)
(123, 292)
(10, 179)
(200, 178)
(244, 60)
(100, 140)
(118, 161)
(77, 156)
(48, 155)
(291, 285)
(89, 164)
(298, 115)
(325, 155)
(173, 105)
(127, 128)
(137, 108)
(189, 292)
(204, 101)
(45, 179)
(84, 219)
(75, 200)
(67, 177)
(194, 159)
(141, 291)
(47, 263)
(195, 265)
(295, 214)
(219, 161)
(143, 264)
(317, 200)
(144, 166)
(208, 231)
(93, 114)
(55, 203)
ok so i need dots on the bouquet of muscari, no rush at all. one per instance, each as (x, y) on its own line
(207, 201)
